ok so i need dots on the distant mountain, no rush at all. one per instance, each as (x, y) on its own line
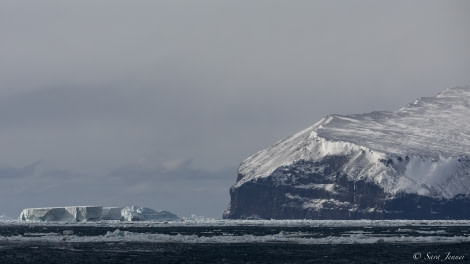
(5, 218)
(413, 163)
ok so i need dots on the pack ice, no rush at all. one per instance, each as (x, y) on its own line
(96, 213)
(413, 163)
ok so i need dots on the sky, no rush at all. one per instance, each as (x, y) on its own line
(156, 103)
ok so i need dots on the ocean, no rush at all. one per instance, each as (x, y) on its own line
(228, 241)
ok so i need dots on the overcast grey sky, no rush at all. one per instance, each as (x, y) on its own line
(157, 102)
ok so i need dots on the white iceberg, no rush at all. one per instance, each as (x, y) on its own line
(111, 213)
(95, 213)
(139, 213)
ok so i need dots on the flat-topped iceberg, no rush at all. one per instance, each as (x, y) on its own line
(96, 213)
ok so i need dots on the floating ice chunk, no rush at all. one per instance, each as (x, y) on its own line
(67, 232)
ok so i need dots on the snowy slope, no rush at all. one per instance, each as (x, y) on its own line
(432, 134)
(432, 126)
(422, 148)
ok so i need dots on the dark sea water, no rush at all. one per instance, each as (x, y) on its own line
(238, 242)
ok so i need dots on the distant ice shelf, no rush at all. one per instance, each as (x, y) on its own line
(96, 213)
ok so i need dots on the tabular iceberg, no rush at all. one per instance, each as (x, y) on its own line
(413, 163)
(96, 213)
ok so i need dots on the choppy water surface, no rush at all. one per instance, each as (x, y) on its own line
(218, 241)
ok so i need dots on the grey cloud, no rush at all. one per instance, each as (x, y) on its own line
(184, 174)
(93, 88)
(60, 105)
(11, 172)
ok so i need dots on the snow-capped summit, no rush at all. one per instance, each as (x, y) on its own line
(422, 149)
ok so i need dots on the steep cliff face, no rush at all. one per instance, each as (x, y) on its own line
(410, 164)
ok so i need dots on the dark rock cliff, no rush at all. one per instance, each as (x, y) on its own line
(331, 195)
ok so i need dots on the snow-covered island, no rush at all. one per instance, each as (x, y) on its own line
(96, 213)
(413, 163)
